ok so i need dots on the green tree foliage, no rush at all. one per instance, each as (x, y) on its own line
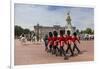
(19, 30)
(26, 31)
(87, 31)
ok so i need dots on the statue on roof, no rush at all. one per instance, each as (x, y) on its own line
(68, 18)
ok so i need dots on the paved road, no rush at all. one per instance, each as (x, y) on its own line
(34, 53)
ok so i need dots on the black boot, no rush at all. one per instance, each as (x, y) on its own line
(66, 58)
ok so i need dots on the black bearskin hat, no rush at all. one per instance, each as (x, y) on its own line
(55, 33)
(61, 32)
(50, 34)
(75, 34)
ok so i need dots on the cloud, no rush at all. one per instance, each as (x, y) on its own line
(28, 15)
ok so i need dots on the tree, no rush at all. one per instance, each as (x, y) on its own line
(88, 31)
(93, 32)
(26, 31)
(18, 30)
(81, 32)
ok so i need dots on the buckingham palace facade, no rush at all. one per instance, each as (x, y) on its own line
(41, 31)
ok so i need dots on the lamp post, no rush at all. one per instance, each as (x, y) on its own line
(37, 32)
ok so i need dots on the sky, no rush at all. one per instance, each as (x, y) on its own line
(28, 15)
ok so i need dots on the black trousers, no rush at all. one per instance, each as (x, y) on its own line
(75, 47)
(69, 49)
(62, 51)
(50, 48)
(55, 49)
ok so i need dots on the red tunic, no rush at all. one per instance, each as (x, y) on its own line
(69, 39)
(50, 41)
(55, 41)
(62, 40)
(75, 39)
